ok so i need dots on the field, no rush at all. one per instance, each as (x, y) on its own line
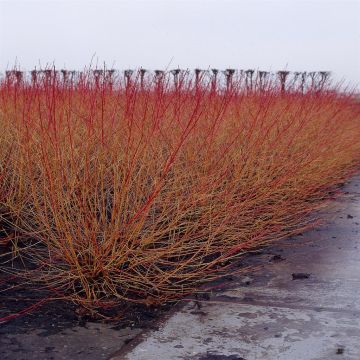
(141, 189)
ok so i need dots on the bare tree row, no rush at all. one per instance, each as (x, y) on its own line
(218, 79)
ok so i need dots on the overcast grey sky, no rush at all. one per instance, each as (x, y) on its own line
(270, 35)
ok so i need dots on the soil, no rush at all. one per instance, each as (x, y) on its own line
(56, 315)
(37, 328)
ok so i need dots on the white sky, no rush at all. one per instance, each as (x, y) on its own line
(269, 35)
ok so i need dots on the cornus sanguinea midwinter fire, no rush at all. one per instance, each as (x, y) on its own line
(130, 187)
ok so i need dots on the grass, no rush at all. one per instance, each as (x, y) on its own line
(118, 191)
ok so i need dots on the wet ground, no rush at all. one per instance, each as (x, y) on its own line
(303, 303)
(63, 331)
(57, 330)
